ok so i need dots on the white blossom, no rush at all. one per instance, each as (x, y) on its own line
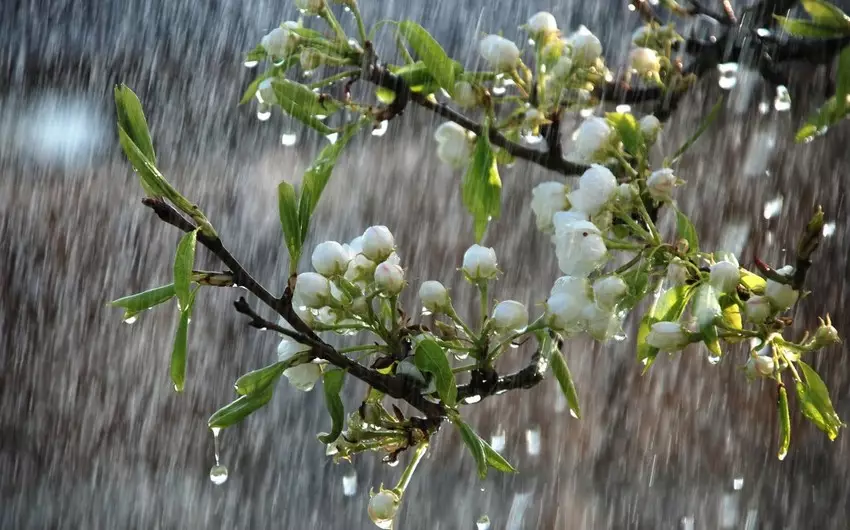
(389, 278)
(591, 138)
(602, 324)
(661, 184)
(330, 258)
(782, 296)
(725, 275)
(303, 376)
(650, 126)
(667, 336)
(378, 243)
(677, 272)
(434, 295)
(542, 22)
(608, 291)
(761, 363)
(757, 309)
(454, 144)
(579, 248)
(464, 94)
(509, 315)
(595, 188)
(567, 301)
(312, 289)
(645, 61)
(547, 199)
(360, 269)
(586, 47)
(279, 41)
(499, 52)
(479, 263)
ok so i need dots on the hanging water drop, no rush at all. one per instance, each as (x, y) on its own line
(264, 115)
(472, 399)
(251, 64)
(483, 523)
(288, 139)
(461, 355)
(393, 463)
(381, 129)
(131, 319)
(783, 99)
(713, 359)
(349, 484)
(385, 524)
(573, 413)
(218, 474)
(332, 138)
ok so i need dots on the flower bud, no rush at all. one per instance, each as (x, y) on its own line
(479, 263)
(464, 94)
(455, 154)
(303, 376)
(760, 365)
(661, 184)
(825, 335)
(310, 6)
(562, 69)
(677, 272)
(579, 247)
(280, 41)
(378, 243)
(650, 126)
(645, 61)
(509, 316)
(725, 276)
(389, 278)
(499, 52)
(360, 269)
(667, 336)
(782, 296)
(591, 138)
(433, 295)
(383, 507)
(541, 23)
(567, 301)
(757, 309)
(596, 187)
(585, 45)
(626, 193)
(706, 307)
(608, 291)
(602, 324)
(310, 59)
(312, 289)
(265, 92)
(547, 199)
(330, 258)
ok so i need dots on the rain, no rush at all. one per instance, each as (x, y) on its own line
(92, 433)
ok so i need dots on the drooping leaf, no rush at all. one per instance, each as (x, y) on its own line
(150, 177)
(807, 28)
(495, 460)
(706, 123)
(475, 445)
(179, 350)
(136, 303)
(259, 379)
(687, 231)
(431, 358)
(303, 104)
(441, 67)
(826, 14)
(287, 206)
(257, 54)
(131, 118)
(482, 187)
(242, 407)
(332, 381)
(628, 131)
(817, 395)
(184, 262)
(565, 380)
(415, 75)
(318, 175)
(784, 422)
(669, 308)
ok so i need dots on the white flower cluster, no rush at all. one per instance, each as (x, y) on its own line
(454, 144)
(575, 305)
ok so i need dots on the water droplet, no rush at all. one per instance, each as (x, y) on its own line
(632, 7)
(499, 90)
(264, 115)
(131, 319)
(381, 129)
(773, 207)
(251, 64)
(738, 483)
(573, 413)
(713, 359)
(586, 113)
(349, 484)
(513, 345)
(218, 474)
(288, 139)
(763, 32)
(483, 523)
(623, 108)
(764, 107)
(509, 82)
(385, 524)
(425, 312)
(392, 463)
(728, 75)
(332, 138)
(532, 139)
(472, 399)
(532, 441)
(346, 9)
(497, 441)
(783, 99)
(319, 116)
(828, 229)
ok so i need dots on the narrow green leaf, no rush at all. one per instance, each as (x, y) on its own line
(842, 87)
(303, 104)
(287, 205)
(819, 122)
(415, 75)
(712, 342)
(332, 381)
(565, 380)
(178, 352)
(131, 118)
(475, 445)
(259, 379)
(706, 123)
(432, 54)
(495, 460)
(239, 409)
(431, 358)
(184, 262)
(628, 130)
(784, 422)
(687, 231)
(637, 280)
(806, 28)
(818, 395)
(826, 14)
(318, 175)
(669, 308)
(257, 54)
(810, 411)
(151, 179)
(482, 187)
(136, 303)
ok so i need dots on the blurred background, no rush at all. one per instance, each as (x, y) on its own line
(91, 434)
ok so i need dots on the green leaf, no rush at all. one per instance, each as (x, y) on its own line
(136, 303)
(628, 130)
(669, 308)
(826, 14)
(259, 379)
(318, 175)
(706, 123)
(332, 381)
(565, 380)
(287, 206)
(482, 187)
(830, 113)
(784, 422)
(184, 262)
(637, 280)
(475, 444)
(818, 397)
(303, 104)
(257, 54)
(731, 315)
(753, 282)
(711, 340)
(181, 345)
(151, 179)
(432, 54)
(385, 95)
(495, 460)
(238, 410)
(131, 118)
(805, 28)
(415, 75)
(687, 232)
(842, 87)
(431, 358)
